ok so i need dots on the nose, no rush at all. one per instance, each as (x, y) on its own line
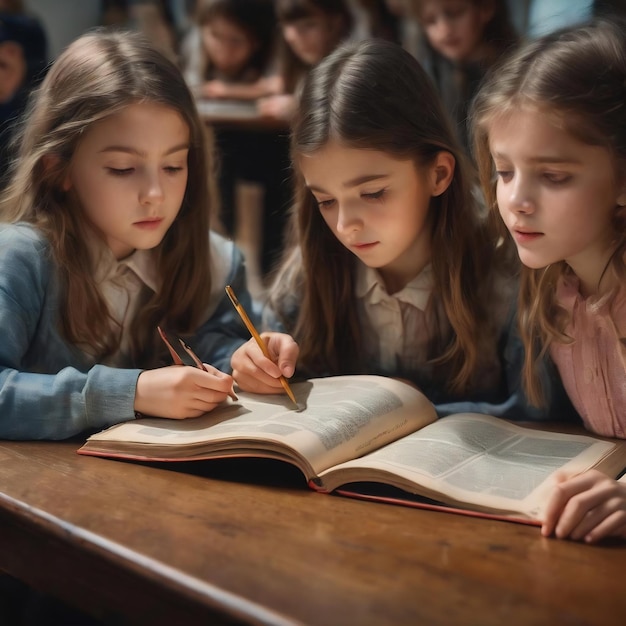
(520, 198)
(348, 219)
(151, 191)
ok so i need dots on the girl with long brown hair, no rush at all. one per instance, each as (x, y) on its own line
(104, 235)
(393, 270)
(550, 141)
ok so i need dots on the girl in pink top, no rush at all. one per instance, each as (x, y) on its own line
(549, 130)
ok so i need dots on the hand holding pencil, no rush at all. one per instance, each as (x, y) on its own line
(264, 363)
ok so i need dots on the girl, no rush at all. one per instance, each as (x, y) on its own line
(462, 38)
(392, 271)
(550, 141)
(234, 49)
(311, 29)
(105, 236)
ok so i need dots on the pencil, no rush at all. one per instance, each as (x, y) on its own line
(258, 339)
(178, 361)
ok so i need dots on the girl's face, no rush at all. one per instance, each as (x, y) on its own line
(555, 194)
(377, 206)
(454, 28)
(314, 37)
(129, 174)
(228, 47)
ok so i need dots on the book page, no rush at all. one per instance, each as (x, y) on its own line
(345, 417)
(478, 459)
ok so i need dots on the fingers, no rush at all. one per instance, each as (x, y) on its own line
(179, 392)
(587, 508)
(257, 373)
(557, 501)
(613, 525)
(283, 350)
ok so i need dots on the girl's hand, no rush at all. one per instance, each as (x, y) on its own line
(179, 392)
(253, 371)
(214, 89)
(280, 107)
(588, 507)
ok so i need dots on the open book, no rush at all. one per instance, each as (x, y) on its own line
(367, 436)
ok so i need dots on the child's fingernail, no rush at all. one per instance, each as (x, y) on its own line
(287, 370)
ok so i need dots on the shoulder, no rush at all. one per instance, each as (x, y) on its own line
(22, 242)
(220, 245)
(226, 261)
(25, 260)
(283, 306)
(224, 254)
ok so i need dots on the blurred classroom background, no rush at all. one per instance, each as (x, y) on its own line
(245, 61)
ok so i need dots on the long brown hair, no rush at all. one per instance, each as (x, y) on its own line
(96, 76)
(376, 96)
(578, 74)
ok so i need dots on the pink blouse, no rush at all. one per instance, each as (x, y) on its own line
(593, 366)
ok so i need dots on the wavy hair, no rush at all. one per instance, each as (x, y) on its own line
(97, 76)
(375, 96)
(578, 74)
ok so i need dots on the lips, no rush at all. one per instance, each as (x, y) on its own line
(524, 235)
(364, 246)
(149, 224)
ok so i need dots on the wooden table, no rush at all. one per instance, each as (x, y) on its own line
(248, 542)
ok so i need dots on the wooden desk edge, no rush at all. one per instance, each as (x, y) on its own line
(205, 596)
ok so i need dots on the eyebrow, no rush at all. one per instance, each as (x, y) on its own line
(541, 159)
(141, 153)
(354, 182)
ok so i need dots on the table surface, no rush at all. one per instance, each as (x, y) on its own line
(244, 541)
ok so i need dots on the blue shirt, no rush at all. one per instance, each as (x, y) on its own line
(49, 388)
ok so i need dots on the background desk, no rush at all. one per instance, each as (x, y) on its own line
(253, 149)
(153, 545)
(238, 114)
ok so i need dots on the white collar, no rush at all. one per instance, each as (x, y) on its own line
(141, 262)
(370, 287)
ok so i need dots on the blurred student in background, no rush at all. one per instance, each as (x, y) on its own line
(23, 57)
(311, 30)
(229, 54)
(462, 40)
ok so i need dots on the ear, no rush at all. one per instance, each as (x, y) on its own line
(51, 162)
(442, 171)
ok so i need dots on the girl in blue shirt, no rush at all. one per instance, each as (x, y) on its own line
(104, 234)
